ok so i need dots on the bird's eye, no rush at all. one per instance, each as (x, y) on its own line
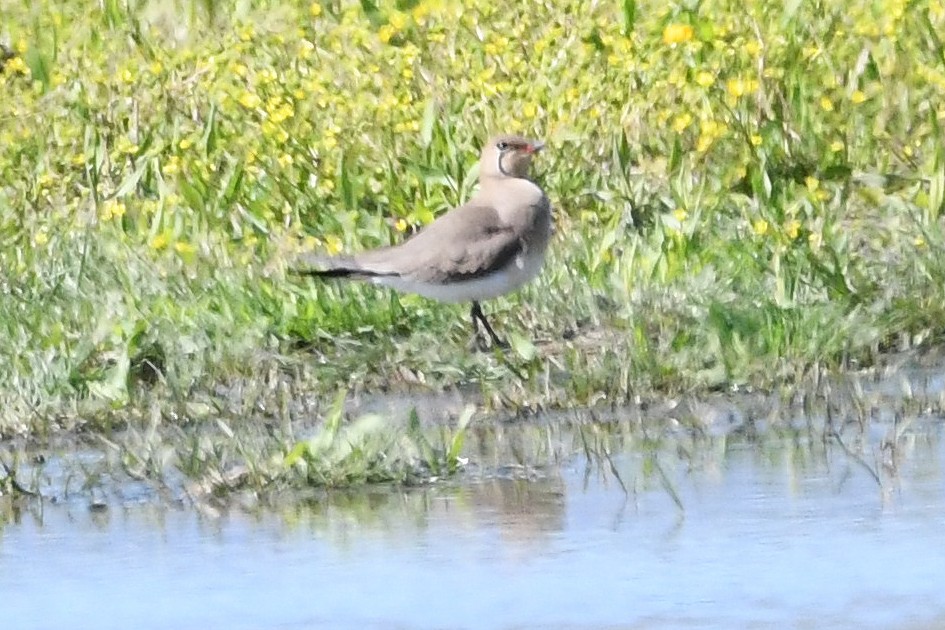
(502, 146)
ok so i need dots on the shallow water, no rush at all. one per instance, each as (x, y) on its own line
(731, 534)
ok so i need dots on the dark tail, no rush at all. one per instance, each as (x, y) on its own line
(338, 272)
(340, 267)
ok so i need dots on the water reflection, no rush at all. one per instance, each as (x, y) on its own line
(587, 524)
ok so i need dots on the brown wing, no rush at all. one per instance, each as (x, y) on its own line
(465, 243)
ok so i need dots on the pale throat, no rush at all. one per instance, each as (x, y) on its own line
(500, 166)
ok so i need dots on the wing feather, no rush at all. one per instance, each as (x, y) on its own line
(466, 243)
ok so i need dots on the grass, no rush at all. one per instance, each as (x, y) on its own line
(743, 196)
(878, 425)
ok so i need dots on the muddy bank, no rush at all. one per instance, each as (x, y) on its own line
(239, 448)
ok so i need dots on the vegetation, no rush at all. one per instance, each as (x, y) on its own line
(742, 194)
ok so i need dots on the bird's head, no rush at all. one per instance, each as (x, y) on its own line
(508, 156)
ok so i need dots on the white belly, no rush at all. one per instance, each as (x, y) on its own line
(510, 278)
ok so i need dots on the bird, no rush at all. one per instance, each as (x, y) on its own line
(489, 246)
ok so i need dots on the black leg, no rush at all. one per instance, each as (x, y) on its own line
(477, 317)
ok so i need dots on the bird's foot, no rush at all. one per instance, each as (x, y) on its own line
(479, 318)
(483, 343)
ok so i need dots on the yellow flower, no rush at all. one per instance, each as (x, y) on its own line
(812, 183)
(709, 132)
(919, 241)
(735, 87)
(305, 49)
(682, 121)
(529, 110)
(315, 9)
(810, 51)
(333, 244)
(185, 250)
(172, 167)
(836, 146)
(712, 127)
(792, 228)
(826, 104)
(281, 112)
(857, 97)
(45, 180)
(705, 141)
(755, 140)
(249, 100)
(273, 130)
(483, 76)
(41, 237)
(126, 146)
(705, 79)
(420, 11)
(680, 214)
(16, 65)
(677, 34)
(385, 33)
(760, 227)
(112, 209)
(400, 225)
(326, 186)
(753, 47)
(285, 160)
(155, 68)
(398, 20)
(159, 242)
(185, 144)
